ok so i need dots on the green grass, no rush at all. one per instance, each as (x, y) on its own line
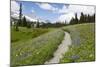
(37, 50)
(83, 43)
(25, 34)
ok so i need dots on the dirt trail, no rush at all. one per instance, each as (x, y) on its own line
(62, 48)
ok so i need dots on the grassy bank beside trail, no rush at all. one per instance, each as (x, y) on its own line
(83, 43)
(37, 50)
(25, 34)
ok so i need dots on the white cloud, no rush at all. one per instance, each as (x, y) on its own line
(30, 19)
(46, 6)
(81, 8)
(14, 7)
(66, 17)
(15, 16)
(72, 9)
(63, 10)
(68, 8)
(77, 9)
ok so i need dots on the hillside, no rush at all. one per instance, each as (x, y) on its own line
(83, 43)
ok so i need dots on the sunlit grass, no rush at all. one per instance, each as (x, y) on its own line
(83, 43)
(25, 34)
(37, 50)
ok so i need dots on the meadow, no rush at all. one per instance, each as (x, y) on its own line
(25, 34)
(35, 50)
(83, 43)
(34, 46)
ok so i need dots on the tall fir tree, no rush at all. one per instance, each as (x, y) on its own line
(82, 17)
(76, 19)
(20, 15)
(37, 24)
(19, 20)
(24, 22)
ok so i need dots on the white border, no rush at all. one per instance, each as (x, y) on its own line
(4, 33)
(89, 2)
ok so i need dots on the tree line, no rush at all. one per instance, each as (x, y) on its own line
(84, 18)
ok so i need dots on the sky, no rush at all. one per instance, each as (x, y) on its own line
(50, 11)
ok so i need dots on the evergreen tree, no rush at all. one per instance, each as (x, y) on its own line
(82, 18)
(76, 19)
(93, 17)
(37, 24)
(18, 23)
(72, 21)
(88, 18)
(24, 21)
(20, 15)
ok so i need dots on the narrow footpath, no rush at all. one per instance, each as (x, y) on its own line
(62, 48)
